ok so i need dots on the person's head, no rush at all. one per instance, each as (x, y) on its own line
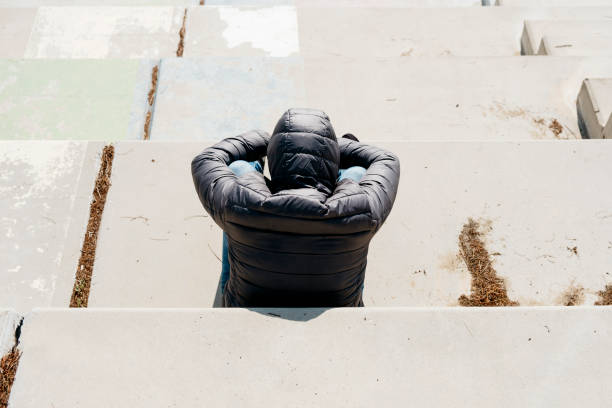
(303, 151)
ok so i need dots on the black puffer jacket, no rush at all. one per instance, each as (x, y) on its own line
(301, 239)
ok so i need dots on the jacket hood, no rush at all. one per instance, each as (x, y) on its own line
(304, 152)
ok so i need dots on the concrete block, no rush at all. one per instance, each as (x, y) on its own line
(45, 193)
(376, 99)
(15, 27)
(170, 250)
(372, 31)
(594, 106)
(340, 357)
(426, 98)
(70, 3)
(74, 99)
(534, 30)
(9, 321)
(553, 3)
(247, 93)
(348, 3)
(576, 46)
(105, 32)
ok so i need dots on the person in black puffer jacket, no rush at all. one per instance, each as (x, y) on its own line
(300, 239)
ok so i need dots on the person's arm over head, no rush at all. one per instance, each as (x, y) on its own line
(213, 179)
(381, 180)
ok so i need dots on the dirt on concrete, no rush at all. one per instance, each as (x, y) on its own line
(154, 77)
(8, 369)
(150, 100)
(556, 128)
(82, 283)
(487, 288)
(606, 296)
(573, 296)
(181, 44)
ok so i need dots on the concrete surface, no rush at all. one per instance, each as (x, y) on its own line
(532, 195)
(170, 249)
(74, 99)
(340, 358)
(534, 30)
(376, 99)
(45, 191)
(9, 320)
(247, 93)
(15, 27)
(348, 3)
(373, 30)
(69, 3)
(553, 3)
(595, 106)
(577, 46)
(105, 32)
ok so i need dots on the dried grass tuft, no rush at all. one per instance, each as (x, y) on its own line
(82, 283)
(606, 296)
(487, 288)
(181, 44)
(8, 369)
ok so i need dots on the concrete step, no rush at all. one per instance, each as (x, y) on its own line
(390, 99)
(157, 247)
(548, 228)
(74, 99)
(595, 108)
(90, 32)
(559, 45)
(45, 193)
(339, 357)
(71, 3)
(554, 3)
(534, 30)
(305, 28)
(364, 31)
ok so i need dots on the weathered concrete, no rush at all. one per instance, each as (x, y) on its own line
(553, 3)
(68, 3)
(73, 99)
(170, 249)
(247, 93)
(9, 320)
(103, 32)
(390, 99)
(595, 107)
(45, 190)
(348, 3)
(534, 30)
(15, 27)
(340, 358)
(576, 46)
(532, 196)
(375, 31)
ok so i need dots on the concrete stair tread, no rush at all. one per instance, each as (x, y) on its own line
(507, 100)
(553, 3)
(302, 28)
(338, 357)
(170, 249)
(82, 99)
(560, 45)
(44, 205)
(536, 29)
